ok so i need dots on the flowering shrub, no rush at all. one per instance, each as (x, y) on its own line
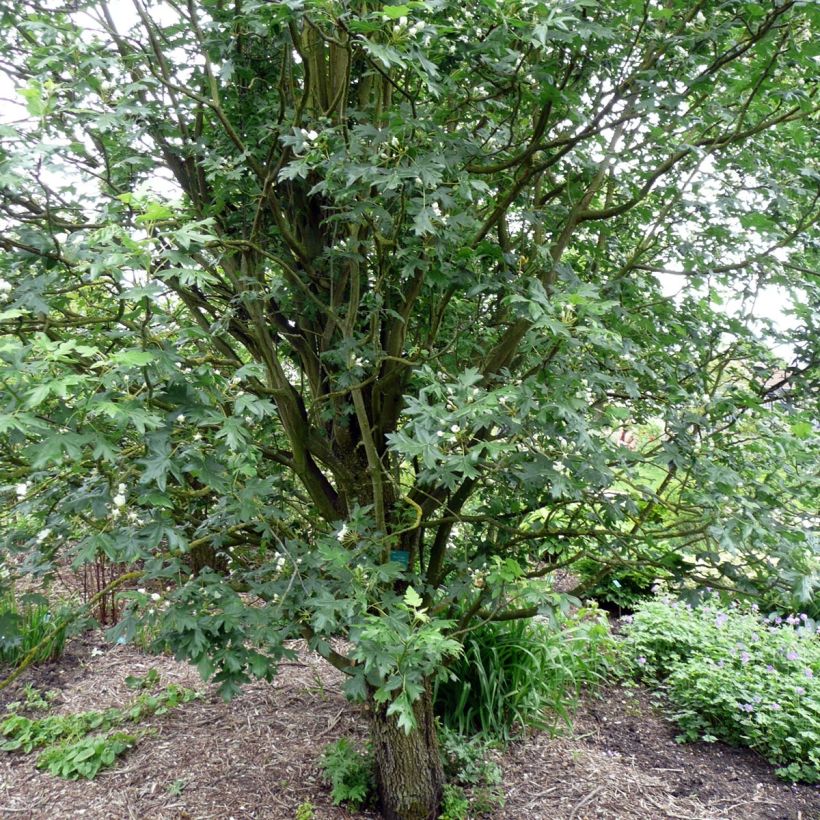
(735, 676)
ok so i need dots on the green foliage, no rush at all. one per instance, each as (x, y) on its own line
(25, 625)
(79, 745)
(520, 674)
(466, 759)
(734, 676)
(454, 803)
(305, 811)
(474, 777)
(86, 756)
(147, 681)
(350, 772)
(33, 700)
(401, 649)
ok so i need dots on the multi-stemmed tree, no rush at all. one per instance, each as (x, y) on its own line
(349, 320)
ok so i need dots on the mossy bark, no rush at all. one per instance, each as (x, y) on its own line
(409, 775)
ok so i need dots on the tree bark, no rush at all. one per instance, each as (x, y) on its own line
(409, 775)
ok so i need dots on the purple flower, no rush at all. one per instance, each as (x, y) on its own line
(803, 616)
(745, 657)
(791, 655)
(776, 706)
(799, 690)
(769, 668)
(627, 619)
(746, 707)
(808, 673)
(640, 660)
(721, 619)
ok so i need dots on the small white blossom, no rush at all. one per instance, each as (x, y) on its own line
(42, 535)
(180, 418)
(21, 489)
(119, 500)
(154, 596)
(342, 534)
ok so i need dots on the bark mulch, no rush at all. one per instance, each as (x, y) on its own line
(257, 757)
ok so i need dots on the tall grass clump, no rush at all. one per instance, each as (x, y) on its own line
(519, 674)
(732, 675)
(25, 625)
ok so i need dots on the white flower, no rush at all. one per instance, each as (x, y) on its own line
(402, 21)
(115, 513)
(180, 418)
(141, 590)
(119, 500)
(197, 436)
(342, 534)
(455, 429)
(312, 135)
(42, 535)
(154, 596)
(121, 488)
(21, 489)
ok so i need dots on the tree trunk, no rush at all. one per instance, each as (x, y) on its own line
(409, 776)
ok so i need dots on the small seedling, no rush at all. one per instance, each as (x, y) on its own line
(305, 811)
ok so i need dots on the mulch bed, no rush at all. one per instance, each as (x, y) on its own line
(257, 757)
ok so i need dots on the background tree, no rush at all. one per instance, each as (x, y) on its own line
(335, 316)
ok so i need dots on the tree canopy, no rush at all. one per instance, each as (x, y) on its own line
(349, 319)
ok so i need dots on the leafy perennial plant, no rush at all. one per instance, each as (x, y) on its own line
(733, 675)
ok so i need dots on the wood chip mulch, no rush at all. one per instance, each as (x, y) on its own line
(257, 757)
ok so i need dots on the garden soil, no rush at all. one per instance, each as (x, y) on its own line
(257, 757)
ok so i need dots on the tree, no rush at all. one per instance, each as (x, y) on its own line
(331, 316)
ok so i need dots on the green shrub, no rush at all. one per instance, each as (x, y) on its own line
(23, 626)
(521, 674)
(734, 676)
(350, 772)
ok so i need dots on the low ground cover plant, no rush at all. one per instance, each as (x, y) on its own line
(79, 745)
(733, 675)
